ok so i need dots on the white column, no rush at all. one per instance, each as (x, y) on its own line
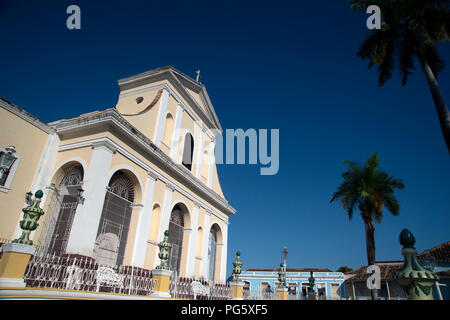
(161, 118)
(192, 246)
(223, 260)
(165, 217)
(212, 162)
(143, 225)
(43, 175)
(87, 217)
(199, 156)
(205, 260)
(176, 133)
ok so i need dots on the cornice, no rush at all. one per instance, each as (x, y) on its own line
(111, 116)
(21, 113)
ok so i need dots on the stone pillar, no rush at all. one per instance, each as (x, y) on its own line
(223, 262)
(282, 293)
(236, 285)
(87, 217)
(237, 290)
(162, 273)
(417, 281)
(192, 246)
(143, 225)
(166, 210)
(13, 264)
(212, 161)
(199, 155)
(161, 118)
(175, 136)
(205, 244)
(16, 255)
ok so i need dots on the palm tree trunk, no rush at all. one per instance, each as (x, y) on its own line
(441, 107)
(370, 248)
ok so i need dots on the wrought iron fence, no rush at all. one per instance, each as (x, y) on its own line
(74, 272)
(189, 288)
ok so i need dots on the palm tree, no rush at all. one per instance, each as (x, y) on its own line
(369, 190)
(410, 28)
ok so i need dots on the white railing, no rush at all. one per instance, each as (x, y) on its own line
(84, 274)
(189, 288)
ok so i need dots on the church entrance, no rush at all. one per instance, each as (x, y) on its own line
(114, 224)
(176, 231)
(65, 203)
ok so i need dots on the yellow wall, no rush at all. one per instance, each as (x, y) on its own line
(29, 142)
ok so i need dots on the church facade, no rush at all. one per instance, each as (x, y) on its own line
(115, 180)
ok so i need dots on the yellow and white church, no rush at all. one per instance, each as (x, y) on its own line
(115, 180)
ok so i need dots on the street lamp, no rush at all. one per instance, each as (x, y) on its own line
(6, 160)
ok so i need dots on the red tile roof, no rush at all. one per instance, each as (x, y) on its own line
(440, 252)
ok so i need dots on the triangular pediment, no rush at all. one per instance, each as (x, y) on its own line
(193, 92)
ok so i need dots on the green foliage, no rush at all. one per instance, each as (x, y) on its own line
(409, 28)
(368, 189)
(344, 269)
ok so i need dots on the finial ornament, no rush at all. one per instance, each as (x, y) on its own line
(31, 215)
(164, 252)
(282, 276)
(237, 267)
(416, 280)
(311, 281)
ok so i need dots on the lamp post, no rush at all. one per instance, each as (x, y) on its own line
(284, 255)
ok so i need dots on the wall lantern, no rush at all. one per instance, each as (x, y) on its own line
(6, 160)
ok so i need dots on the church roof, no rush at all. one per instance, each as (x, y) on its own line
(182, 83)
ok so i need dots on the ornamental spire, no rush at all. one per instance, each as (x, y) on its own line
(31, 215)
(416, 280)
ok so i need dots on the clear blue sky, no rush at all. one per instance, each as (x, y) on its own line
(265, 65)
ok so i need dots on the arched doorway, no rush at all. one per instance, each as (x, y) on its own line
(115, 221)
(65, 203)
(176, 233)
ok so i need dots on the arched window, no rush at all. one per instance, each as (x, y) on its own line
(168, 130)
(58, 227)
(188, 151)
(212, 248)
(176, 231)
(115, 221)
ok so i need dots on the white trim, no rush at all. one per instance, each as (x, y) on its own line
(125, 167)
(73, 159)
(160, 176)
(177, 98)
(175, 137)
(11, 107)
(161, 120)
(87, 216)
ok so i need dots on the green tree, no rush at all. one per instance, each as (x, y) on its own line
(410, 28)
(368, 190)
(344, 269)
